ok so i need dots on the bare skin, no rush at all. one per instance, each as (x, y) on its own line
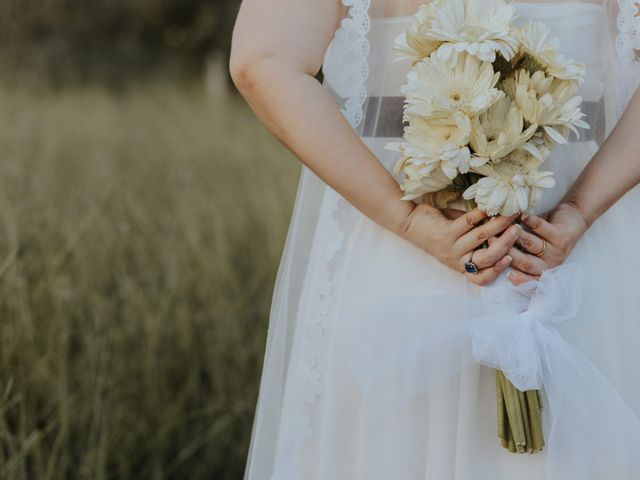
(276, 77)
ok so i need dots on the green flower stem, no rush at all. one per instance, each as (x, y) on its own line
(535, 409)
(514, 413)
(525, 420)
(503, 430)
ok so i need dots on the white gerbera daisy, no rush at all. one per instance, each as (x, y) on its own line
(535, 41)
(436, 89)
(413, 43)
(417, 185)
(429, 145)
(511, 186)
(547, 102)
(499, 131)
(479, 27)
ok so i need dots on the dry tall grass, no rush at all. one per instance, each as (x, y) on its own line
(139, 238)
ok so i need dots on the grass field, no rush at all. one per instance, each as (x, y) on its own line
(139, 240)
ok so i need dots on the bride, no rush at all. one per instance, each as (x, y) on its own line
(358, 380)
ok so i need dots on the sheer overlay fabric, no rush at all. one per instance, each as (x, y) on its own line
(375, 367)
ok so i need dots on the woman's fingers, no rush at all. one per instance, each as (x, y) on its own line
(527, 263)
(549, 253)
(498, 247)
(543, 229)
(488, 275)
(531, 243)
(518, 278)
(478, 235)
(468, 221)
(452, 213)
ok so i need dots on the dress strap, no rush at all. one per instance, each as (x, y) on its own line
(627, 46)
(351, 45)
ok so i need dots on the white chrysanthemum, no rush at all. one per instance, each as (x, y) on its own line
(547, 102)
(534, 40)
(499, 131)
(511, 186)
(437, 89)
(417, 185)
(479, 27)
(429, 145)
(413, 44)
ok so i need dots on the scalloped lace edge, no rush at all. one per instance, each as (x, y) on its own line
(308, 382)
(354, 28)
(627, 42)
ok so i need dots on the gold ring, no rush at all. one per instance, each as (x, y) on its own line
(544, 247)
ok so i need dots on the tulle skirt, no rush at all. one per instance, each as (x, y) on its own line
(352, 322)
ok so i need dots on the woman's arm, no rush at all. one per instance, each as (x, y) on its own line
(612, 172)
(278, 48)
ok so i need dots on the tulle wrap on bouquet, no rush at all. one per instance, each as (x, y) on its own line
(396, 355)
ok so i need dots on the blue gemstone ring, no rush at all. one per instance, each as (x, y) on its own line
(471, 267)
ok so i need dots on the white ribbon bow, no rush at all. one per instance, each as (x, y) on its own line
(517, 326)
(395, 356)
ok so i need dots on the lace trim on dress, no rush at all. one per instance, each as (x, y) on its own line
(627, 44)
(352, 45)
(308, 383)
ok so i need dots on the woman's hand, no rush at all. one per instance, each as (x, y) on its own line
(452, 241)
(548, 243)
(612, 172)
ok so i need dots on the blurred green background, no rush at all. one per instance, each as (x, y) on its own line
(143, 211)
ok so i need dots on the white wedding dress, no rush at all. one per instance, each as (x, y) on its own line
(357, 385)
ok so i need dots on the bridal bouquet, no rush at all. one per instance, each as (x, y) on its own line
(487, 100)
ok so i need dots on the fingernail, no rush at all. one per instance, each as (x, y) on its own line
(511, 275)
(508, 259)
(515, 231)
